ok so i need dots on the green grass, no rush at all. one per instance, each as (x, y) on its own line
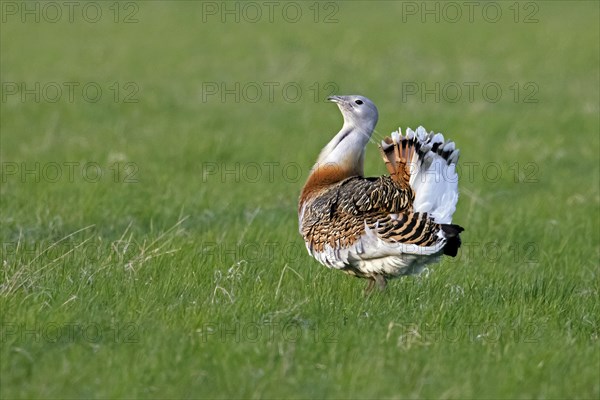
(164, 279)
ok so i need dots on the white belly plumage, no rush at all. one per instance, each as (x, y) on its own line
(370, 255)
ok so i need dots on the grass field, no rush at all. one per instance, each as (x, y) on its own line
(150, 174)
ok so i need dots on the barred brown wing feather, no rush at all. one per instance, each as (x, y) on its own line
(337, 215)
(360, 196)
(406, 228)
(341, 231)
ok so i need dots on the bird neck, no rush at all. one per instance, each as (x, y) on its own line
(346, 150)
(341, 158)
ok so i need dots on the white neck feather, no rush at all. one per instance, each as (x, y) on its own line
(346, 149)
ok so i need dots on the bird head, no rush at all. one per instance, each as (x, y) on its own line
(358, 112)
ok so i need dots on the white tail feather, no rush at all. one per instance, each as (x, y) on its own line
(433, 175)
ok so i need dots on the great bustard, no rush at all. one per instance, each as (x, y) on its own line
(385, 227)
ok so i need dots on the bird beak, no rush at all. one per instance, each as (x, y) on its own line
(335, 99)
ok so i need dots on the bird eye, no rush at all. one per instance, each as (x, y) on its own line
(359, 102)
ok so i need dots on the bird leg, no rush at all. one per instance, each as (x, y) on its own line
(375, 279)
(370, 286)
(381, 282)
